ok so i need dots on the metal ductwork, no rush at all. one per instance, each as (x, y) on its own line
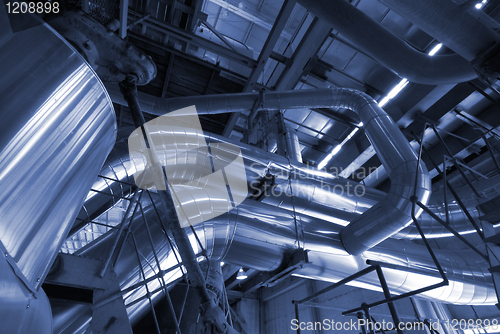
(390, 50)
(58, 125)
(292, 145)
(449, 23)
(396, 154)
(315, 194)
(258, 236)
(105, 192)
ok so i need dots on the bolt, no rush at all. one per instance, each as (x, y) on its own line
(38, 279)
(27, 306)
(6, 254)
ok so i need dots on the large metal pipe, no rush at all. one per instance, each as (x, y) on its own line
(58, 125)
(392, 51)
(258, 236)
(105, 191)
(449, 23)
(316, 194)
(389, 215)
(292, 144)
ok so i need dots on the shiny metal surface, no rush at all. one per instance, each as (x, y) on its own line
(470, 282)
(392, 213)
(390, 50)
(449, 23)
(257, 236)
(316, 194)
(21, 311)
(105, 191)
(292, 145)
(58, 125)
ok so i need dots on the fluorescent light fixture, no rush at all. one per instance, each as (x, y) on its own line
(337, 148)
(394, 91)
(480, 5)
(435, 49)
(241, 275)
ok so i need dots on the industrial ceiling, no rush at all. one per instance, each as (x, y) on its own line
(437, 79)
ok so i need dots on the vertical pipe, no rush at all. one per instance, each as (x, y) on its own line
(292, 144)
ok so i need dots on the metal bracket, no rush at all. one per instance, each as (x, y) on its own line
(109, 55)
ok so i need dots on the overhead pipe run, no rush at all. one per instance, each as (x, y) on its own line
(315, 194)
(257, 236)
(392, 213)
(449, 23)
(392, 51)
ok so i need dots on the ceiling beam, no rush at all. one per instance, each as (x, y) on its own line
(267, 49)
(193, 39)
(249, 15)
(308, 47)
(167, 75)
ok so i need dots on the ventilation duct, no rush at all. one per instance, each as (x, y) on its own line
(58, 125)
(449, 23)
(258, 236)
(389, 215)
(393, 52)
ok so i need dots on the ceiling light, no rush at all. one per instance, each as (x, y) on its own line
(394, 91)
(435, 49)
(337, 148)
(480, 5)
(241, 275)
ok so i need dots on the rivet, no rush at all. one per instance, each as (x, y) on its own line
(27, 306)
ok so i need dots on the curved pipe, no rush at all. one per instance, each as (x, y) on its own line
(58, 125)
(105, 192)
(449, 23)
(315, 194)
(388, 216)
(390, 50)
(258, 237)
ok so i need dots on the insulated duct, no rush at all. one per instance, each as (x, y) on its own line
(258, 236)
(392, 51)
(105, 192)
(380, 222)
(316, 194)
(58, 125)
(292, 144)
(449, 23)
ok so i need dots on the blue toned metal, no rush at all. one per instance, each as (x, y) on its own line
(58, 125)
(393, 52)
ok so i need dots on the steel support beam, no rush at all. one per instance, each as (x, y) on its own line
(122, 32)
(167, 75)
(308, 47)
(252, 17)
(83, 273)
(267, 49)
(192, 39)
